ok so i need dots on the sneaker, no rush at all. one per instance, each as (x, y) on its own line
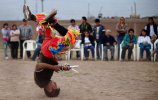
(50, 17)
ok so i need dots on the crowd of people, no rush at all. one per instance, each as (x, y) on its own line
(90, 35)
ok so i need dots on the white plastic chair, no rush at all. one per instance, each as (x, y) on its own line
(138, 51)
(133, 52)
(102, 50)
(155, 48)
(28, 45)
(77, 47)
(95, 51)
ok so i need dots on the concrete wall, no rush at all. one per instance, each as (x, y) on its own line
(137, 24)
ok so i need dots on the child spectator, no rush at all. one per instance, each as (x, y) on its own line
(144, 44)
(88, 42)
(128, 43)
(98, 32)
(5, 35)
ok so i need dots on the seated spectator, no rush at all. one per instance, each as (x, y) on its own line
(108, 41)
(144, 44)
(14, 41)
(153, 39)
(88, 42)
(128, 43)
(156, 51)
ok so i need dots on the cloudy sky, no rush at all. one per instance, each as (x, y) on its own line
(67, 9)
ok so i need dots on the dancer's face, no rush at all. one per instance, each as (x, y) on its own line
(51, 86)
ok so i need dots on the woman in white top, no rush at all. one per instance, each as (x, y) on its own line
(14, 41)
(144, 44)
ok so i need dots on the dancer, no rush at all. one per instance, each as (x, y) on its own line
(52, 47)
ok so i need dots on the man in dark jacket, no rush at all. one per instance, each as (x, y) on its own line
(85, 26)
(98, 33)
(151, 27)
(108, 41)
(88, 42)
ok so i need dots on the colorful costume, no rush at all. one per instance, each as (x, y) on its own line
(54, 43)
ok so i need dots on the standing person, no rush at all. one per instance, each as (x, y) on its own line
(88, 42)
(85, 26)
(98, 32)
(144, 44)
(5, 35)
(128, 43)
(14, 41)
(25, 34)
(74, 26)
(151, 27)
(121, 29)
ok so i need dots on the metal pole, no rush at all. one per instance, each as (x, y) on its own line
(24, 2)
(42, 4)
(36, 6)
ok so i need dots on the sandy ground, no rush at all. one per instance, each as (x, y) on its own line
(96, 81)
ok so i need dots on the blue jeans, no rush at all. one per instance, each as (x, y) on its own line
(36, 52)
(147, 49)
(6, 46)
(86, 53)
(112, 50)
(98, 50)
(119, 41)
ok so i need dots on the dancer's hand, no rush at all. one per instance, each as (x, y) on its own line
(65, 68)
(57, 68)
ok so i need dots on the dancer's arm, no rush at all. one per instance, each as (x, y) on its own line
(56, 68)
(40, 66)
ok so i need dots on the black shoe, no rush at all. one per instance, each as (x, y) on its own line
(106, 59)
(112, 58)
(129, 59)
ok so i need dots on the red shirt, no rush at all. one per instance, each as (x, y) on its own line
(47, 43)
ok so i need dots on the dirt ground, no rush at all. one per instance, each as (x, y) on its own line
(97, 80)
